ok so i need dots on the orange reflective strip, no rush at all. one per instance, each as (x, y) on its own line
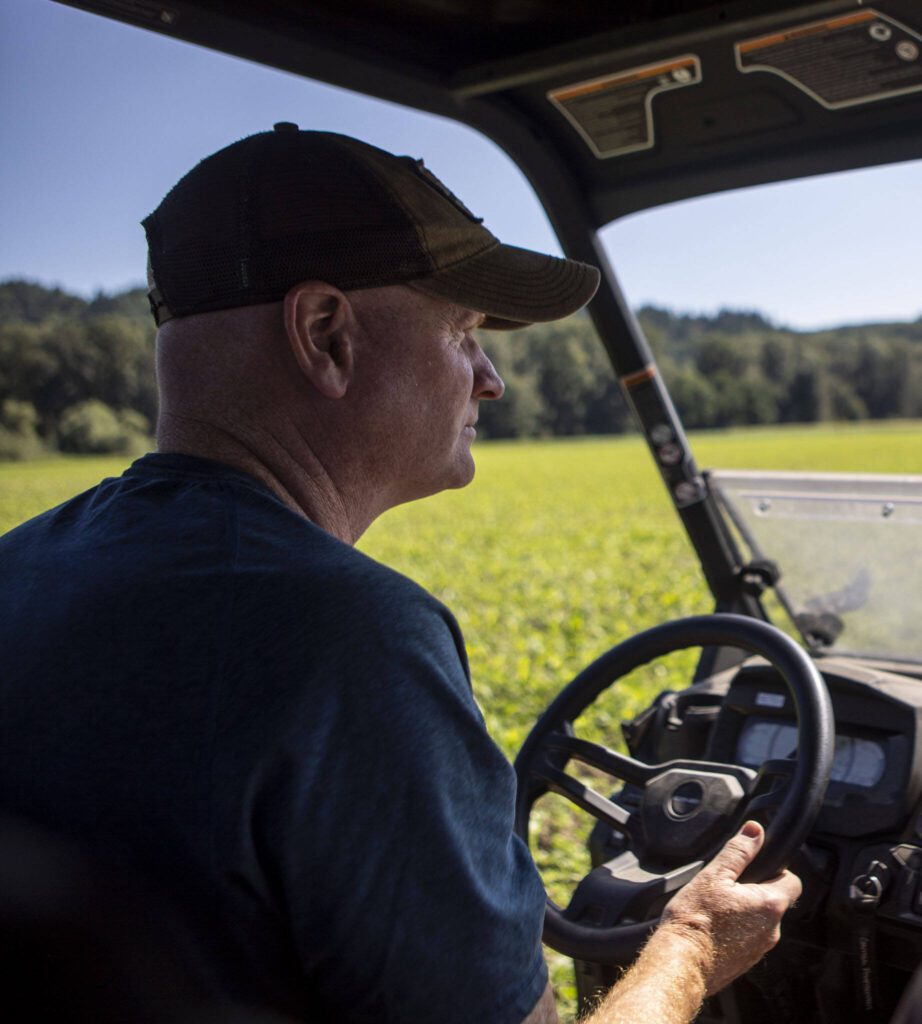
(633, 380)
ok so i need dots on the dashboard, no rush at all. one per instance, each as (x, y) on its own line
(876, 776)
(861, 866)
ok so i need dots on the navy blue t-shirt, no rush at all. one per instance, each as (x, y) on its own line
(281, 732)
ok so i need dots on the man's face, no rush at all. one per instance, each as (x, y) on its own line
(423, 375)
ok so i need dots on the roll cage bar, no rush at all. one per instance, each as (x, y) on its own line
(517, 70)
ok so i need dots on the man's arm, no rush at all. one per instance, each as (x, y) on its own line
(713, 931)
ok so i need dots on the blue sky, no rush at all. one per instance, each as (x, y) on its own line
(99, 119)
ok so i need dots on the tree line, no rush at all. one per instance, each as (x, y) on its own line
(727, 370)
(77, 375)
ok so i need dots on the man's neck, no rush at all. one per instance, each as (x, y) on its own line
(299, 481)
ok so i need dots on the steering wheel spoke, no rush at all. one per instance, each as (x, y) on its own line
(619, 766)
(771, 787)
(587, 799)
(624, 891)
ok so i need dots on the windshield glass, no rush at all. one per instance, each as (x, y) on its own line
(788, 326)
(847, 547)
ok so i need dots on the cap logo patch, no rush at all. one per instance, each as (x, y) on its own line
(433, 182)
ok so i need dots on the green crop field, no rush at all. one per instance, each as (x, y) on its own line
(557, 551)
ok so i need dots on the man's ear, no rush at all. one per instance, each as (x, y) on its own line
(319, 322)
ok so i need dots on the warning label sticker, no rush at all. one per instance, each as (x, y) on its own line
(614, 114)
(842, 61)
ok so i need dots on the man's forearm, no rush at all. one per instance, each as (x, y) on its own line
(665, 985)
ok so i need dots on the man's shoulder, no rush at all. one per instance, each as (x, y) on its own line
(210, 530)
(279, 557)
(375, 596)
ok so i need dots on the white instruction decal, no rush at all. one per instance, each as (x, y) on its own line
(614, 113)
(840, 62)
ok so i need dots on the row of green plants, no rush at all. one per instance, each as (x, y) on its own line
(78, 376)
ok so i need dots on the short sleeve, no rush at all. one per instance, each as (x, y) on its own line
(408, 896)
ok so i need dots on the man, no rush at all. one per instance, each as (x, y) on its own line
(206, 680)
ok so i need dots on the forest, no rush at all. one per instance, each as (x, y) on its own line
(77, 375)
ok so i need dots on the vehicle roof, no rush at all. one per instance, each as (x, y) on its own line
(492, 64)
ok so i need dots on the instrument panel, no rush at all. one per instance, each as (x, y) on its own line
(877, 769)
(857, 762)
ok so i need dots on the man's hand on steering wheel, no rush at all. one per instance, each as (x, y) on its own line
(733, 924)
(711, 932)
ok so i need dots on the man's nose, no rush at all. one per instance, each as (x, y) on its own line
(487, 382)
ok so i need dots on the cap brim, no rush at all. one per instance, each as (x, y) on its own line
(514, 287)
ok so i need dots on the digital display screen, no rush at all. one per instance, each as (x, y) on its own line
(858, 762)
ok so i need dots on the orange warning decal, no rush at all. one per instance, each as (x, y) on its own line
(864, 57)
(627, 78)
(807, 30)
(615, 113)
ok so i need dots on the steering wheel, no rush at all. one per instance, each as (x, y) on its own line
(687, 809)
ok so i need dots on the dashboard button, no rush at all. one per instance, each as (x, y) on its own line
(865, 891)
(880, 870)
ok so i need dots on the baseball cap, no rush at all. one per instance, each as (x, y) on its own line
(279, 207)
